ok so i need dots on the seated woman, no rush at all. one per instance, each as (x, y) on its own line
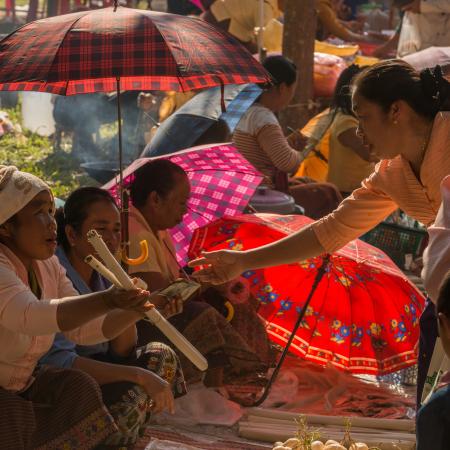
(260, 139)
(159, 194)
(66, 407)
(350, 161)
(116, 364)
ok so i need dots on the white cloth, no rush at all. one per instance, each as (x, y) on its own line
(431, 27)
(17, 189)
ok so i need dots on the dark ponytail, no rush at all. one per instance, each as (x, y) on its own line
(76, 209)
(384, 83)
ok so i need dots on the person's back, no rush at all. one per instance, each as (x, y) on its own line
(240, 18)
(259, 124)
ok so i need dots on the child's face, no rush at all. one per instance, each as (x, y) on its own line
(32, 233)
(444, 332)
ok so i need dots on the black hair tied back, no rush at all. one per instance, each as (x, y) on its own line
(436, 88)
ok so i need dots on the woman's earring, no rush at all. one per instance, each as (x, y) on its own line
(395, 122)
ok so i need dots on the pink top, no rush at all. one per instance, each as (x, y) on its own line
(392, 185)
(436, 259)
(27, 324)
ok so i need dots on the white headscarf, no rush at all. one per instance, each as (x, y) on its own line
(17, 189)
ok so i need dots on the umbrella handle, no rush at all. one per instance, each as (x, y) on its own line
(320, 273)
(140, 259)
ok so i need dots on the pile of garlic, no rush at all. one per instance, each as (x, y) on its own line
(295, 444)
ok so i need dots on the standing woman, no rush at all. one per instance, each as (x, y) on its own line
(61, 408)
(404, 119)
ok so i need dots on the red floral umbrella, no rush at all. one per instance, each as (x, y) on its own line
(363, 315)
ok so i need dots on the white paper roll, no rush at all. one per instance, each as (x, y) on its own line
(121, 279)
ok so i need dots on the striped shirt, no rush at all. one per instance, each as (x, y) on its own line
(392, 185)
(260, 140)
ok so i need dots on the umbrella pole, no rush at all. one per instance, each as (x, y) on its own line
(320, 273)
(123, 193)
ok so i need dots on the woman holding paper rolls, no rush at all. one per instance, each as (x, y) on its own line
(117, 362)
(62, 408)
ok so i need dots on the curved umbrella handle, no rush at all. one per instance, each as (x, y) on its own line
(230, 311)
(140, 259)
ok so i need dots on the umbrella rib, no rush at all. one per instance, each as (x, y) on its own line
(62, 40)
(142, 12)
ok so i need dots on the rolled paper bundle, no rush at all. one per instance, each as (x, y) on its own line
(102, 270)
(108, 258)
(121, 279)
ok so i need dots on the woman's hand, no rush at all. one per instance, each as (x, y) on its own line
(135, 299)
(219, 266)
(297, 141)
(168, 306)
(158, 390)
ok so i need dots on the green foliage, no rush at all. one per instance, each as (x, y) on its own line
(33, 153)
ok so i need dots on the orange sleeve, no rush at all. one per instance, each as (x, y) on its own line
(357, 214)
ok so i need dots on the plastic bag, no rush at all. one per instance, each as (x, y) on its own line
(410, 40)
(327, 69)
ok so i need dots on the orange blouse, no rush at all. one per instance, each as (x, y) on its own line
(392, 185)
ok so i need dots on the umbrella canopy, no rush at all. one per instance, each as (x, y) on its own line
(363, 316)
(222, 183)
(88, 51)
(182, 129)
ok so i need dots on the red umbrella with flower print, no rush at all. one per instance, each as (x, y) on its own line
(122, 48)
(363, 314)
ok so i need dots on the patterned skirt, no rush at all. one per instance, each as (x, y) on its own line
(62, 409)
(224, 346)
(67, 409)
(128, 402)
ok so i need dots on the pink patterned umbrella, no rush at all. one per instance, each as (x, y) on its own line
(222, 183)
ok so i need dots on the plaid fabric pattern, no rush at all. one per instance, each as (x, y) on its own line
(86, 51)
(239, 105)
(222, 183)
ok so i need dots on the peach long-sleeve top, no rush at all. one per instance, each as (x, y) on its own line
(392, 185)
(28, 324)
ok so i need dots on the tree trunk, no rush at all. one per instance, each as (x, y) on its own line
(300, 23)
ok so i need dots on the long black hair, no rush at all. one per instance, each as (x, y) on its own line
(342, 97)
(76, 209)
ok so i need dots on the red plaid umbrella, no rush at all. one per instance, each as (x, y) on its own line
(121, 48)
(363, 316)
(88, 51)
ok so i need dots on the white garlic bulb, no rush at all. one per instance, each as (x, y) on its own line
(317, 445)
